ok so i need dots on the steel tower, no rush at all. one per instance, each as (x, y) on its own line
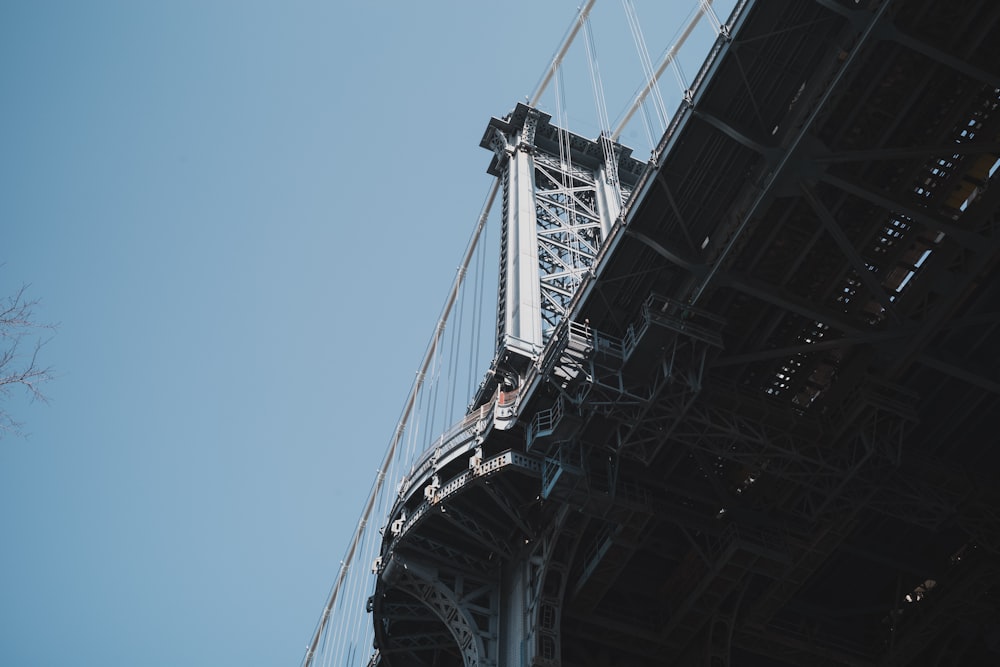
(450, 570)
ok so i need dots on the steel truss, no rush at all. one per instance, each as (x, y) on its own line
(561, 197)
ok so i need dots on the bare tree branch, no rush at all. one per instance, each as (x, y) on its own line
(19, 370)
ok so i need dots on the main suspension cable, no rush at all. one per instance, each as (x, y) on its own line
(561, 53)
(668, 58)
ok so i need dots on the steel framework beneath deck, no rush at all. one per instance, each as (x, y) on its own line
(763, 429)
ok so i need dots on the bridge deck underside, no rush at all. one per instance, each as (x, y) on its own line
(814, 483)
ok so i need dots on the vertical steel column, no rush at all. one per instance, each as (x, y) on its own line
(515, 589)
(532, 593)
(523, 324)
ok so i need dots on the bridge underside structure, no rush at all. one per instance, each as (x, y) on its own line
(766, 430)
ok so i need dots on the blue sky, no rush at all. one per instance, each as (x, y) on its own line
(244, 217)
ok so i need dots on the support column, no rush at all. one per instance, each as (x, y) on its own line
(523, 325)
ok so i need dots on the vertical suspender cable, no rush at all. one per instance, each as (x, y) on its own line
(476, 321)
(647, 126)
(473, 321)
(713, 18)
(435, 381)
(565, 170)
(565, 158)
(400, 429)
(595, 79)
(647, 64)
(449, 408)
(610, 160)
(667, 59)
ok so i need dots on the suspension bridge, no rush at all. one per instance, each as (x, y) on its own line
(739, 403)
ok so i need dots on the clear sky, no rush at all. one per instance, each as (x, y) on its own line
(244, 217)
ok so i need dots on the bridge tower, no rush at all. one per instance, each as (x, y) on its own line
(472, 571)
(562, 194)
